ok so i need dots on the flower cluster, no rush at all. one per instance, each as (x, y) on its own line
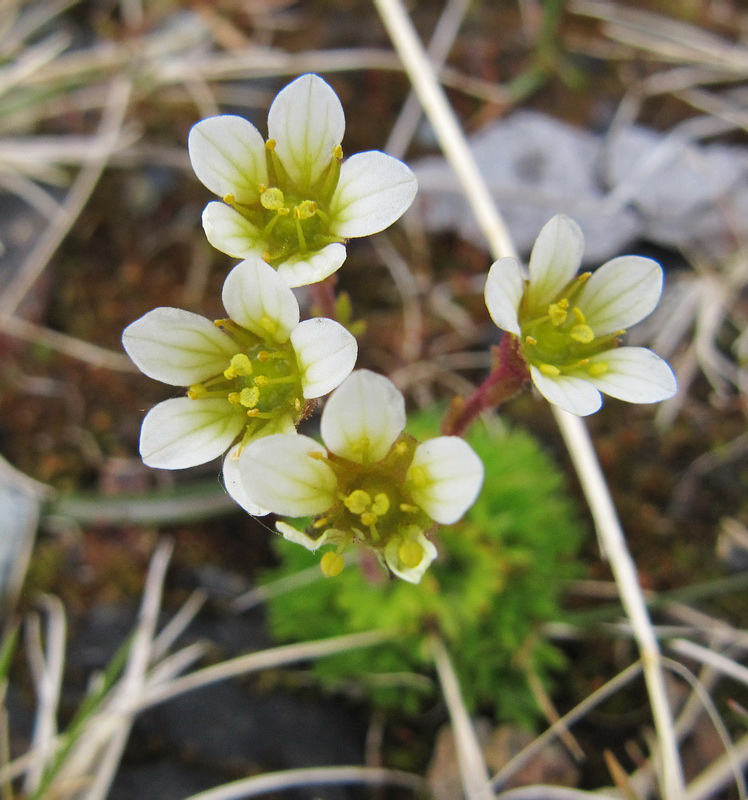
(569, 325)
(287, 206)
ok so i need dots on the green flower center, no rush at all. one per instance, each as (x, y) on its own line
(374, 507)
(559, 340)
(262, 381)
(293, 219)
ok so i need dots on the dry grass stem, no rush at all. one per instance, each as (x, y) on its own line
(109, 132)
(576, 436)
(476, 783)
(719, 773)
(312, 776)
(406, 124)
(253, 662)
(46, 664)
(600, 695)
(68, 345)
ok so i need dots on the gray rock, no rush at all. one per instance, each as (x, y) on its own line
(640, 185)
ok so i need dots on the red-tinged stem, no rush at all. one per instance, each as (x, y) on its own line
(507, 378)
(323, 297)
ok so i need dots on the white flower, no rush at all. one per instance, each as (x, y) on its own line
(291, 200)
(250, 375)
(371, 483)
(569, 325)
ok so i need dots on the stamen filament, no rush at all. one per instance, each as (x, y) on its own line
(300, 234)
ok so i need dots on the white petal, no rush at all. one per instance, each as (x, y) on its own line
(301, 270)
(635, 375)
(620, 293)
(504, 289)
(410, 574)
(181, 433)
(363, 417)
(325, 352)
(555, 259)
(296, 536)
(307, 121)
(258, 299)
(228, 156)
(374, 190)
(228, 231)
(278, 473)
(177, 347)
(444, 478)
(233, 483)
(575, 395)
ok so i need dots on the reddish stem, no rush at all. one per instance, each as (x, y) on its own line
(323, 297)
(507, 378)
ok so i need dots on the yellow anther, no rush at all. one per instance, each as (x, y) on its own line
(195, 391)
(253, 412)
(273, 199)
(331, 564)
(239, 365)
(296, 404)
(283, 212)
(229, 199)
(320, 523)
(579, 315)
(262, 380)
(411, 554)
(401, 448)
(582, 333)
(270, 144)
(270, 325)
(369, 519)
(337, 151)
(408, 508)
(249, 397)
(317, 455)
(381, 504)
(557, 312)
(531, 340)
(234, 397)
(357, 501)
(549, 370)
(263, 355)
(305, 210)
(266, 257)
(261, 188)
(597, 369)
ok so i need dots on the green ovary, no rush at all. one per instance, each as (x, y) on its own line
(293, 219)
(262, 381)
(560, 341)
(373, 505)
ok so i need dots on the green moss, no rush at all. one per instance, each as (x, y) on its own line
(498, 577)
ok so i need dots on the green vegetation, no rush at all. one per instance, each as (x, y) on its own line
(498, 577)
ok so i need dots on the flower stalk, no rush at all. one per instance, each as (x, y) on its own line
(508, 377)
